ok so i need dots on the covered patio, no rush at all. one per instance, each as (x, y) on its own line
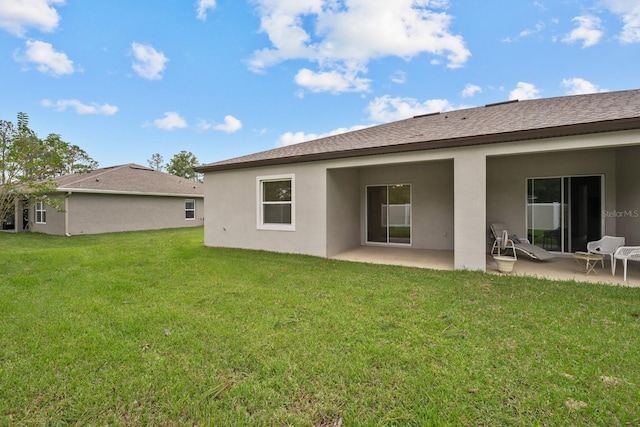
(563, 267)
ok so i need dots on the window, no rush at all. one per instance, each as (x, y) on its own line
(276, 210)
(189, 209)
(41, 212)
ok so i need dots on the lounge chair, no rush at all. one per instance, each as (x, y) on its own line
(504, 243)
(505, 263)
(606, 246)
(521, 245)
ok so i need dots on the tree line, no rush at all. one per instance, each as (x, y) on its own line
(28, 164)
(181, 164)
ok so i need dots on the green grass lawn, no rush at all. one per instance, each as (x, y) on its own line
(153, 328)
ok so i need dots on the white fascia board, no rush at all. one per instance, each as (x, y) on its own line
(128, 193)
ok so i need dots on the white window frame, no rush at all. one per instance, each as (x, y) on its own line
(261, 225)
(40, 212)
(186, 209)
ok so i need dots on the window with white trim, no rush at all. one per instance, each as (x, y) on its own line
(41, 212)
(189, 209)
(276, 202)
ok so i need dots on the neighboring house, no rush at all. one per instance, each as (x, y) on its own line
(119, 198)
(560, 170)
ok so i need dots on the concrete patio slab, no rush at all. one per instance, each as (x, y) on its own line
(563, 267)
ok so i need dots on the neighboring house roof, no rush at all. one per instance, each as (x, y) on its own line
(129, 179)
(493, 123)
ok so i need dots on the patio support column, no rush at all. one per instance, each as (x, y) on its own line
(18, 216)
(470, 210)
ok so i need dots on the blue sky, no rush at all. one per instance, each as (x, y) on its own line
(222, 78)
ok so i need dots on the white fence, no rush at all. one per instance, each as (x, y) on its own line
(544, 216)
(399, 215)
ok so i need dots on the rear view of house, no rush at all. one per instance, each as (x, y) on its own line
(561, 171)
(127, 197)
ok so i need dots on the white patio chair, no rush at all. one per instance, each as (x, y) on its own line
(605, 246)
(625, 253)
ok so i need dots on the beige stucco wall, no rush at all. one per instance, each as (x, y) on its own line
(54, 224)
(470, 208)
(343, 210)
(329, 207)
(107, 213)
(627, 208)
(507, 182)
(487, 184)
(231, 205)
(431, 204)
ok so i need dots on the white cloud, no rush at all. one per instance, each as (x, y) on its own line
(93, 108)
(629, 10)
(589, 31)
(387, 109)
(471, 90)
(18, 15)
(148, 63)
(524, 91)
(231, 125)
(203, 125)
(203, 6)
(343, 36)
(331, 81)
(171, 120)
(399, 77)
(47, 59)
(539, 5)
(290, 138)
(526, 32)
(579, 86)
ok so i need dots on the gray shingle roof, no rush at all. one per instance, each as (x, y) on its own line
(129, 178)
(502, 122)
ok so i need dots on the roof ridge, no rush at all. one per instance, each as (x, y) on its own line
(105, 170)
(506, 121)
(137, 166)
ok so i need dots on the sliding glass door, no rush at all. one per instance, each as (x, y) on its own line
(564, 213)
(389, 214)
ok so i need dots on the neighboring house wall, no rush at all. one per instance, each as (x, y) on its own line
(627, 210)
(54, 221)
(106, 213)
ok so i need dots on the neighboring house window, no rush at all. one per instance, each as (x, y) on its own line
(276, 203)
(41, 212)
(190, 209)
